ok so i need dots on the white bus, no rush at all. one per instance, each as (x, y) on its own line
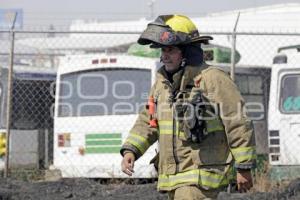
(98, 98)
(284, 114)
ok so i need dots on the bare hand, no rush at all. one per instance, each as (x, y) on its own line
(128, 163)
(244, 180)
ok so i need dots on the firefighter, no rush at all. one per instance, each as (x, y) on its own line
(196, 113)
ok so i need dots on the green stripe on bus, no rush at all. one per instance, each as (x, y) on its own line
(103, 142)
(102, 149)
(103, 135)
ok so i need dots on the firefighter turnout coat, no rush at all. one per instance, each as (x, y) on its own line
(229, 138)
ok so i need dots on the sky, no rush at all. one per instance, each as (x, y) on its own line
(62, 12)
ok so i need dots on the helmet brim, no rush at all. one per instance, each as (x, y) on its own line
(153, 35)
(199, 40)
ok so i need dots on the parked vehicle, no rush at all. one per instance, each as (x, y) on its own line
(284, 114)
(98, 99)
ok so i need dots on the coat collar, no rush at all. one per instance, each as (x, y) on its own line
(183, 77)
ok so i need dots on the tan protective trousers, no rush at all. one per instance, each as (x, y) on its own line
(192, 193)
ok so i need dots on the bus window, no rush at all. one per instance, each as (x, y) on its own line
(117, 91)
(290, 94)
(255, 85)
(251, 89)
(242, 83)
(249, 84)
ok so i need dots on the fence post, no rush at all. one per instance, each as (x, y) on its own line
(46, 148)
(9, 95)
(233, 49)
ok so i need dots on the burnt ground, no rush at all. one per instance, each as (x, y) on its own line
(75, 189)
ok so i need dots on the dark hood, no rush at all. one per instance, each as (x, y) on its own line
(193, 54)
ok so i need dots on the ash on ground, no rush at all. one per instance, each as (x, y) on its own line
(77, 189)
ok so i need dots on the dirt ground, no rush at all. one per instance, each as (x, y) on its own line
(77, 189)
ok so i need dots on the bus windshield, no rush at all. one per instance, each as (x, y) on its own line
(290, 94)
(117, 91)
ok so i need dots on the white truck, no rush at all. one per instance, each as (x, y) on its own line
(284, 114)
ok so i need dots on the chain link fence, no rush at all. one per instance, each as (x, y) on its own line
(43, 132)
